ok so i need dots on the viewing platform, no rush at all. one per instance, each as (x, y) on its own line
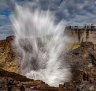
(85, 33)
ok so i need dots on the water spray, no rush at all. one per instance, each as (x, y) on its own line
(41, 42)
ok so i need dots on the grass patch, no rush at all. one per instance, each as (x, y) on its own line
(75, 45)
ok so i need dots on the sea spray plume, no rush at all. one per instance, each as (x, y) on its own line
(41, 42)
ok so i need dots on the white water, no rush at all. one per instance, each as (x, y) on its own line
(41, 43)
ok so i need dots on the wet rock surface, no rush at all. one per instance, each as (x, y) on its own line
(11, 84)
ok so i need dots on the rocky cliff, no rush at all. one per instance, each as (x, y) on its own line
(82, 61)
(8, 61)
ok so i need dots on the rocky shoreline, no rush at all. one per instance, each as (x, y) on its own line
(82, 61)
(10, 81)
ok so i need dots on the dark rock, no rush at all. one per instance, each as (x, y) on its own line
(83, 62)
(10, 38)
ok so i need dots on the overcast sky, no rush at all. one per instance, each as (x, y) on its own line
(72, 11)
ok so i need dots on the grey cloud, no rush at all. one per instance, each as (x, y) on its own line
(70, 10)
(87, 18)
(73, 6)
(6, 4)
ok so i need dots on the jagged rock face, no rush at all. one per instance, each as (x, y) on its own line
(83, 62)
(10, 81)
(7, 56)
